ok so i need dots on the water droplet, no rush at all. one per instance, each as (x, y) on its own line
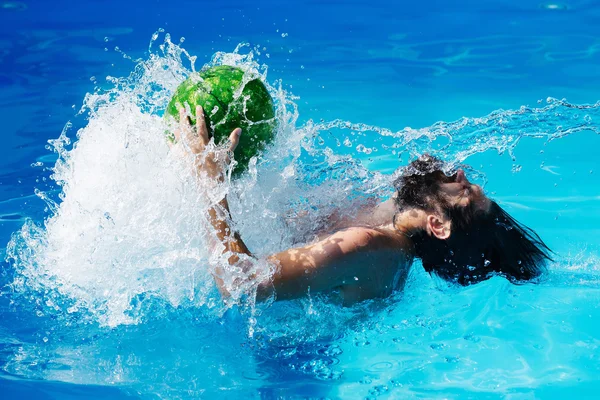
(330, 350)
(471, 338)
(287, 353)
(554, 6)
(378, 390)
(362, 149)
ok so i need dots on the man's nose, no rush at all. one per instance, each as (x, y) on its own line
(460, 176)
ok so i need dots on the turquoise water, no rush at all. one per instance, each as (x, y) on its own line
(106, 287)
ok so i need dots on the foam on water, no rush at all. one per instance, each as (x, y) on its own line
(123, 255)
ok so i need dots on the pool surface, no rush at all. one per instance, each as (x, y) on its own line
(105, 289)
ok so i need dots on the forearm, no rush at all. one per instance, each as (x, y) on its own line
(208, 163)
(219, 217)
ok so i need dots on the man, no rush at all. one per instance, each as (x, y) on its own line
(446, 221)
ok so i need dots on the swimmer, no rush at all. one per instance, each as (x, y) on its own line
(459, 234)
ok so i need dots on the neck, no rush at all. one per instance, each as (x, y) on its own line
(410, 222)
(411, 225)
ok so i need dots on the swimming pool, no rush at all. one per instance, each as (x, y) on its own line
(105, 293)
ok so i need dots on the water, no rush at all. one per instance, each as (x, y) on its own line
(106, 286)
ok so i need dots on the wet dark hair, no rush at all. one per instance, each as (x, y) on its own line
(481, 243)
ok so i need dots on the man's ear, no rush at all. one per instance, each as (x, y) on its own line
(439, 227)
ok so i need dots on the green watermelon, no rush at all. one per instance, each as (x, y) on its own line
(217, 91)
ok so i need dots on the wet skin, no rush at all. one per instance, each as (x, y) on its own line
(359, 262)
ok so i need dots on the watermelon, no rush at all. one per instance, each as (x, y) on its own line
(226, 107)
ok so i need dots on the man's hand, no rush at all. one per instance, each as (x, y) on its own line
(196, 141)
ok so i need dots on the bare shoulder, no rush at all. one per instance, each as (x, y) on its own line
(333, 261)
(369, 238)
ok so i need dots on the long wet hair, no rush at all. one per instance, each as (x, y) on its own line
(481, 243)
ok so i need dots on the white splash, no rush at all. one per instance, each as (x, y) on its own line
(130, 224)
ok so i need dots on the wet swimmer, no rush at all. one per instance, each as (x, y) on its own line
(459, 234)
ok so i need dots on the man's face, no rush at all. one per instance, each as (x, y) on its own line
(460, 192)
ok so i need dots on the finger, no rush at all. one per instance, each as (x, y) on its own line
(181, 128)
(186, 133)
(183, 121)
(234, 139)
(201, 125)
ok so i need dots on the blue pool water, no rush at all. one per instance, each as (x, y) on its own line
(105, 291)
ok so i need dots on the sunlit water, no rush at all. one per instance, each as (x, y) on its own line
(115, 287)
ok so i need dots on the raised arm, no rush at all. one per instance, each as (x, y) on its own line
(327, 264)
(207, 164)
